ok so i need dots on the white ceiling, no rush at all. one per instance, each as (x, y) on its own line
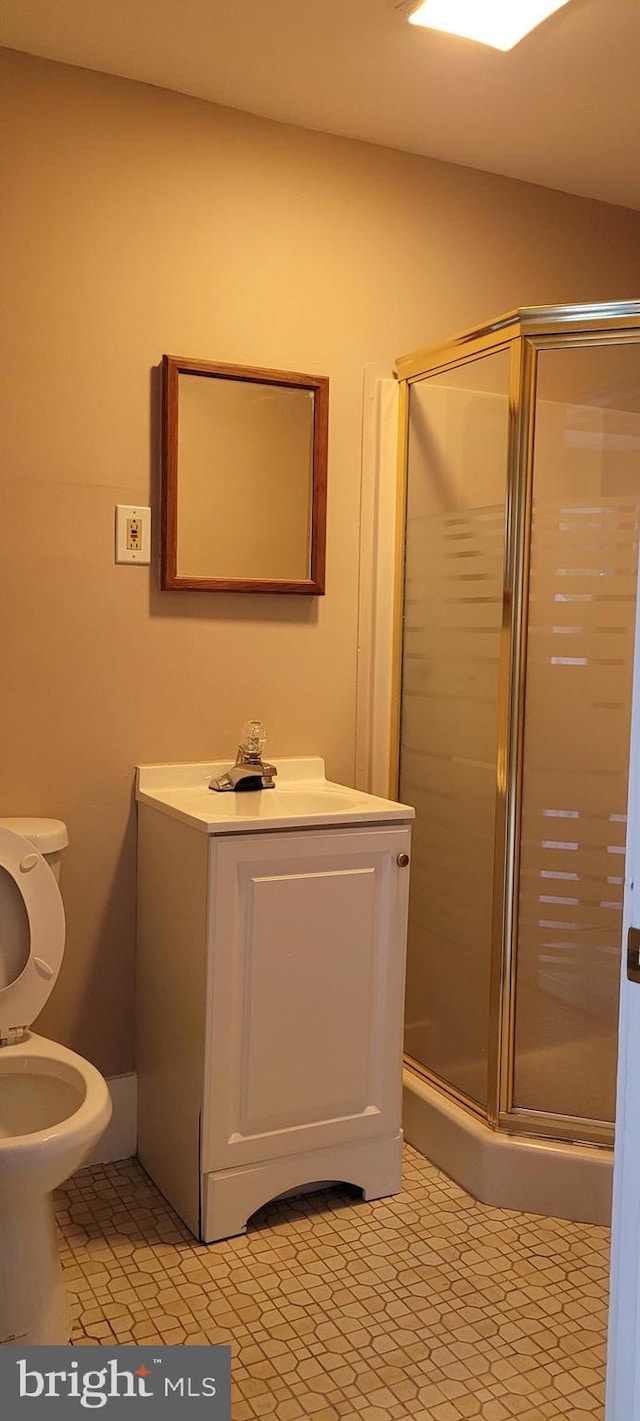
(562, 109)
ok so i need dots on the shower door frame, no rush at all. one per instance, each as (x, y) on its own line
(523, 333)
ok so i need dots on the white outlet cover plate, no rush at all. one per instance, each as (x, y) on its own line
(142, 554)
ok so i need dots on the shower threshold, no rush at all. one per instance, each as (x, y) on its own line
(549, 1177)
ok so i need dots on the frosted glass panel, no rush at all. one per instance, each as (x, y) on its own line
(457, 460)
(584, 555)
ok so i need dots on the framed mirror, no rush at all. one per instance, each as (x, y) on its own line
(244, 475)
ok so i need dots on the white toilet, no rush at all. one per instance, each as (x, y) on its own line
(54, 1106)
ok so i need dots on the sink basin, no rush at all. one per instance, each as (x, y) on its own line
(284, 802)
(301, 796)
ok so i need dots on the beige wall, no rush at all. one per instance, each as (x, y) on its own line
(140, 222)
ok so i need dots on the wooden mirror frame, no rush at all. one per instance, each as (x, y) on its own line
(172, 367)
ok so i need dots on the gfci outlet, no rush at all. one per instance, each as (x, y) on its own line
(133, 534)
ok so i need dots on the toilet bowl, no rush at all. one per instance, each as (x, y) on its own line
(54, 1105)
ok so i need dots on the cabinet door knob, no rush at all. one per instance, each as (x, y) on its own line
(402, 860)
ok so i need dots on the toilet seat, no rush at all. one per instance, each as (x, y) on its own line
(23, 999)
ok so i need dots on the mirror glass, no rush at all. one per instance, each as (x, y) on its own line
(245, 460)
(245, 474)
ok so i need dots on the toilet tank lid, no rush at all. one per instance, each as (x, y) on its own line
(46, 835)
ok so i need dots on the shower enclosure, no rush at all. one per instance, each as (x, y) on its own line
(521, 446)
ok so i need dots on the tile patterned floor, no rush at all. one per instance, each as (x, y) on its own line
(428, 1305)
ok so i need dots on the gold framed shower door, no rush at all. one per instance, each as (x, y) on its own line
(523, 333)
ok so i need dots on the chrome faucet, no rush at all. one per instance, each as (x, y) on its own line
(249, 772)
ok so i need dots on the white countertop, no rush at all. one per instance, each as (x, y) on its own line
(301, 798)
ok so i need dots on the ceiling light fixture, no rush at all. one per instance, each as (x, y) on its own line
(499, 23)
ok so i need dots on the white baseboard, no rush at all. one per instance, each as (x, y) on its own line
(121, 1136)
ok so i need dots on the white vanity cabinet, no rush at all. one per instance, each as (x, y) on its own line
(270, 992)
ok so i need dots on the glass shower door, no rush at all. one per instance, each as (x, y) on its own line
(580, 648)
(457, 460)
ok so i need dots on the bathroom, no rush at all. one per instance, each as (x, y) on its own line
(146, 221)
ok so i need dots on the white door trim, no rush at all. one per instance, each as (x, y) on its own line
(623, 1359)
(377, 580)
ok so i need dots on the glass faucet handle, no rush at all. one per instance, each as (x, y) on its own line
(253, 738)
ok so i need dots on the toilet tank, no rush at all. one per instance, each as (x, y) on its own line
(48, 836)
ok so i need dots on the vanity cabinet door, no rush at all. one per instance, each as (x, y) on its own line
(305, 992)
